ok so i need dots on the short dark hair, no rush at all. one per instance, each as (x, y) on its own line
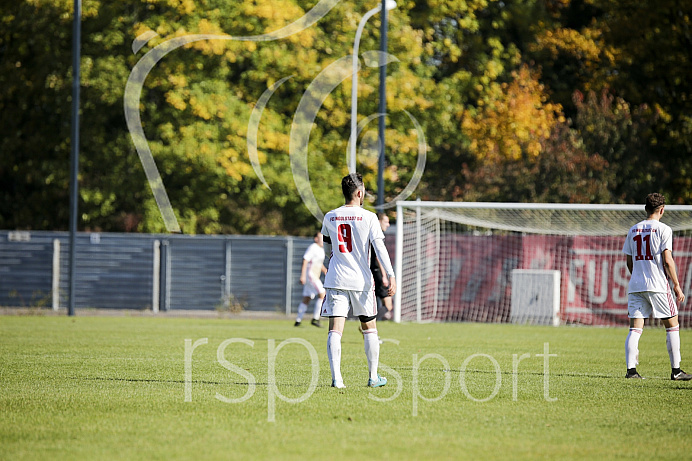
(654, 201)
(350, 184)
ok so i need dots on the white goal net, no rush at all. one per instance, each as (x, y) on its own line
(523, 263)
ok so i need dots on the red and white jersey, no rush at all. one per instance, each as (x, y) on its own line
(646, 241)
(351, 229)
(314, 255)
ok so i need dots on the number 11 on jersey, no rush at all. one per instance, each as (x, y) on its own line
(646, 240)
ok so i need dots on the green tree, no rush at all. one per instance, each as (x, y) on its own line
(623, 136)
(196, 105)
(638, 51)
(496, 86)
(34, 117)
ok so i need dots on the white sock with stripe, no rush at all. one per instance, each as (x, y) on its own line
(318, 307)
(673, 343)
(372, 351)
(334, 354)
(632, 347)
(301, 311)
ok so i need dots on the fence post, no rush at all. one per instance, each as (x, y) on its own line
(156, 280)
(56, 274)
(289, 274)
(228, 261)
(166, 276)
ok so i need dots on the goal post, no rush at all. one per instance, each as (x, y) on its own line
(532, 263)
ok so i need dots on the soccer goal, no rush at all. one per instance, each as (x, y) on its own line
(524, 263)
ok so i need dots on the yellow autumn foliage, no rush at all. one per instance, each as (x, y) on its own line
(514, 122)
(580, 45)
(176, 100)
(230, 161)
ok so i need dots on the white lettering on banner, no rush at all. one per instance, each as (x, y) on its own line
(574, 279)
(599, 294)
(603, 296)
(474, 279)
(621, 282)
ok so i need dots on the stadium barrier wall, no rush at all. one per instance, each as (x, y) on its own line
(152, 271)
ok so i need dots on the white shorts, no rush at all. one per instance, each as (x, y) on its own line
(312, 288)
(338, 302)
(643, 304)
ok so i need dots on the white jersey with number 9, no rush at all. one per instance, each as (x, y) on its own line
(351, 229)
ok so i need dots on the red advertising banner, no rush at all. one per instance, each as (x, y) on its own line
(472, 281)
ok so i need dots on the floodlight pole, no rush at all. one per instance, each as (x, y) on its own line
(74, 155)
(379, 206)
(354, 90)
(386, 5)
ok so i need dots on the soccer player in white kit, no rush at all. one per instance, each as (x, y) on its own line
(649, 250)
(310, 272)
(348, 232)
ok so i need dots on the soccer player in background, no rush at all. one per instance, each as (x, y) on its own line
(348, 232)
(310, 273)
(649, 250)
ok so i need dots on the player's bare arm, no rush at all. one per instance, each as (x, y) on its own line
(630, 263)
(669, 266)
(303, 277)
(392, 286)
(383, 258)
(327, 252)
(385, 279)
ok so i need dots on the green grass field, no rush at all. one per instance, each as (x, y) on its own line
(105, 387)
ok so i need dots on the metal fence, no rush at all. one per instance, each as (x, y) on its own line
(150, 271)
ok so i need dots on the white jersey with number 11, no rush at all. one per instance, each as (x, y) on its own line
(351, 229)
(646, 242)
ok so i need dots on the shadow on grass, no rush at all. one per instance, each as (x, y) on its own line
(173, 381)
(441, 370)
(537, 373)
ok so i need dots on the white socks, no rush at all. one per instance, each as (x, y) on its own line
(302, 308)
(301, 311)
(673, 343)
(334, 354)
(372, 351)
(632, 347)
